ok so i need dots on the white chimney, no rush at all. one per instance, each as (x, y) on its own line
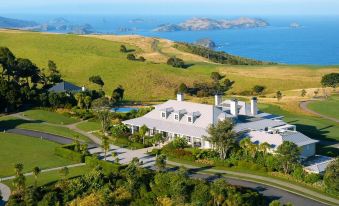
(234, 107)
(180, 97)
(254, 106)
(83, 88)
(217, 99)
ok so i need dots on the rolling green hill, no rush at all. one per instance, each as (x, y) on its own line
(79, 57)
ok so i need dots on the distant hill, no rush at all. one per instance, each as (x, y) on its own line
(16, 23)
(199, 24)
(55, 25)
(206, 42)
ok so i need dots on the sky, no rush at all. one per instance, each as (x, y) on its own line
(172, 7)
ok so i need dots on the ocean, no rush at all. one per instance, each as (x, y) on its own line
(315, 42)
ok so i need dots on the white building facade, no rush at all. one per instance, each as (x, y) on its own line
(180, 118)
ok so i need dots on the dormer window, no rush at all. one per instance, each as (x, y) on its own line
(189, 119)
(176, 117)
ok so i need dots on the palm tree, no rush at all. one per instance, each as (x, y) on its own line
(36, 172)
(18, 168)
(105, 145)
(160, 163)
(244, 144)
(264, 147)
(64, 172)
(87, 101)
(142, 131)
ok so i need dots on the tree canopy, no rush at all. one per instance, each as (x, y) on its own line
(330, 80)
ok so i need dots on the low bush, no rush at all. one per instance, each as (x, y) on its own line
(107, 167)
(67, 151)
(312, 178)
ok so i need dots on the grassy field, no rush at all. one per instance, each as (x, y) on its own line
(51, 176)
(29, 151)
(48, 116)
(7, 122)
(328, 107)
(90, 125)
(79, 57)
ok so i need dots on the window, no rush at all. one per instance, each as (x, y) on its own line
(163, 114)
(176, 117)
(188, 139)
(189, 119)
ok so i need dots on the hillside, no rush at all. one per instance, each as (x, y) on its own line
(79, 57)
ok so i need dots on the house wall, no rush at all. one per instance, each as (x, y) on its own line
(308, 150)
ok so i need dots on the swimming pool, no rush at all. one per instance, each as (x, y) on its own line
(124, 109)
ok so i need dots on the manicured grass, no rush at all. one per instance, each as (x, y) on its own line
(314, 127)
(90, 125)
(80, 57)
(29, 151)
(48, 116)
(7, 122)
(328, 107)
(52, 176)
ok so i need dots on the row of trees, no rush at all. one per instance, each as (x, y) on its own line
(218, 56)
(133, 185)
(218, 85)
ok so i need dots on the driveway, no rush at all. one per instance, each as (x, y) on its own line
(303, 106)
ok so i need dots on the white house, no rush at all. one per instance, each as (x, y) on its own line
(179, 118)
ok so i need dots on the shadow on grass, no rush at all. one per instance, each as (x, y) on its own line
(13, 123)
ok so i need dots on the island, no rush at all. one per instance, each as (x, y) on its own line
(295, 25)
(206, 42)
(200, 24)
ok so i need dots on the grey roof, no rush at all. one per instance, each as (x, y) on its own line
(65, 87)
(168, 126)
(297, 138)
(317, 163)
(260, 124)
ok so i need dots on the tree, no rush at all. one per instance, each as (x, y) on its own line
(54, 76)
(289, 154)
(142, 132)
(330, 80)
(176, 62)
(216, 76)
(258, 89)
(80, 99)
(64, 172)
(87, 101)
(222, 137)
(7, 61)
(142, 59)
(160, 162)
(105, 119)
(264, 147)
(331, 176)
(36, 172)
(18, 168)
(118, 94)
(123, 49)
(303, 93)
(101, 103)
(279, 95)
(131, 57)
(96, 79)
(182, 88)
(105, 145)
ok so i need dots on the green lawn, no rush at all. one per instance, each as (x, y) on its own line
(314, 127)
(52, 176)
(48, 116)
(7, 122)
(90, 125)
(29, 151)
(328, 107)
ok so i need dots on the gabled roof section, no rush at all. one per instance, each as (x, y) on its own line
(65, 87)
(205, 114)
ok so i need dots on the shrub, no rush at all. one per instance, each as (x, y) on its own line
(176, 62)
(131, 57)
(312, 178)
(107, 167)
(67, 152)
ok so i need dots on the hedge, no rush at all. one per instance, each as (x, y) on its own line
(67, 152)
(107, 167)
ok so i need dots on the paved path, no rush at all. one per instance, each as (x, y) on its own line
(303, 106)
(269, 192)
(261, 178)
(5, 192)
(91, 136)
